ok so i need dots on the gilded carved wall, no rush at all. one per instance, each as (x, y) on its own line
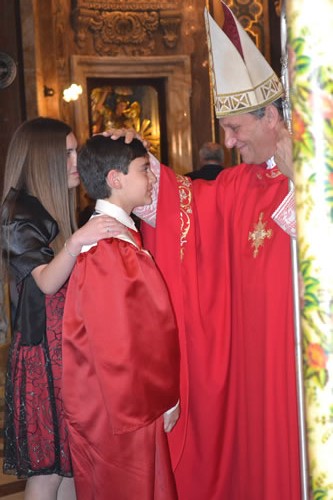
(135, 28)
(126, 28)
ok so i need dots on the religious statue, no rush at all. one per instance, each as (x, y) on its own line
(115, 107)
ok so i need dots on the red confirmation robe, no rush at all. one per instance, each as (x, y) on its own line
(120, 374)
(228, 267)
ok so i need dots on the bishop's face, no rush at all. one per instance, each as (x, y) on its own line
(253, 137)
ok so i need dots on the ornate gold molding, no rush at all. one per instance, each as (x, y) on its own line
(127, 5)
(125, 28)
(170, 21)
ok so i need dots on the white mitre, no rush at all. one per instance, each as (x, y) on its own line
(242, 79)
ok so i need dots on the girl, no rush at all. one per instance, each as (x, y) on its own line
(39, 248)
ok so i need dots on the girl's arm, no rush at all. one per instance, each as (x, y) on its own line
(51, 277)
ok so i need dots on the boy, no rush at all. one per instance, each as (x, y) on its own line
(120, 342)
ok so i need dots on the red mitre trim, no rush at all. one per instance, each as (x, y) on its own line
(225, 19)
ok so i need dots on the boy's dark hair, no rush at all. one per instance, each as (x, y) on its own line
(101, 154)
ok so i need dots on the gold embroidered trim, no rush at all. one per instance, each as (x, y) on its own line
(248, 99)
(185, 197)
(271, 173)
(258, 236)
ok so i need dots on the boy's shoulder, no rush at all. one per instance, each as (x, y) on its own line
(127, 237)
(86, 248)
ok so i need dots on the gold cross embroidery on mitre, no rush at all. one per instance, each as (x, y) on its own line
(257, 237)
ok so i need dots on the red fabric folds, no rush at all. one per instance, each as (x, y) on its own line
(238, 434)
(121, 369)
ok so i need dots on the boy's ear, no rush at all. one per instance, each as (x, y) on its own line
(113, 179)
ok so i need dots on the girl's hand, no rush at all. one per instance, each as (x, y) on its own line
(50, 277)
(97, 228)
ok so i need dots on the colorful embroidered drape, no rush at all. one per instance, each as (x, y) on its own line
(311, 90)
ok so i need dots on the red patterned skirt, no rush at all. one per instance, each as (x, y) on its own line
(36, 440)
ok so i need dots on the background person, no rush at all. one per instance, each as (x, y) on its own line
(211, 158)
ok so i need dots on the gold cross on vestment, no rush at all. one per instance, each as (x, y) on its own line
(259, 234)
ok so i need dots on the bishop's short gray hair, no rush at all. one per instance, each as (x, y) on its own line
(259, 113)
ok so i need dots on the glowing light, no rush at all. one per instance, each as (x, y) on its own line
(72, 93)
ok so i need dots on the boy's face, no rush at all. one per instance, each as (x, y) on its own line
(137, 184)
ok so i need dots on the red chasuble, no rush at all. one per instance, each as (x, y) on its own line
(228, 268)
(120, 374)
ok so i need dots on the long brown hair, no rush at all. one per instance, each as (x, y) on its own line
(37, 162)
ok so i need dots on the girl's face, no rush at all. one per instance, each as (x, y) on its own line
(72, 173)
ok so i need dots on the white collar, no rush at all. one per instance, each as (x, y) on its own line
(118, 213)
(271, 163)
(106, 208)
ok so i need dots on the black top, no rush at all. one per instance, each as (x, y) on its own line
(27, 231)
(209, 172)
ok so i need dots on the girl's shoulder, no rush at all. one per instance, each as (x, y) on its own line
(21, 208)
(20, 205)
(25, 222)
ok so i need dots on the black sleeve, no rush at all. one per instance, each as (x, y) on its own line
(27, 231)
(26, 247)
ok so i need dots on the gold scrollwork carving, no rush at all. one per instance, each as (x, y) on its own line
(130, 32)
(125, 32)
(128, 5)
(81, 20)
(170, 23)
